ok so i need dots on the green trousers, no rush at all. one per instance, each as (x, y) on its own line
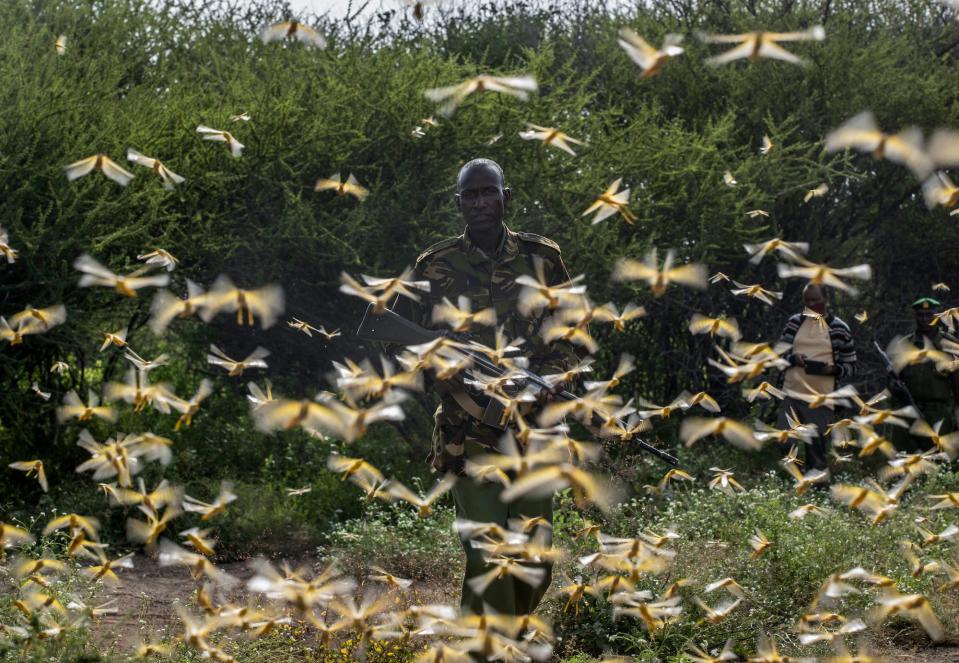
(479, 501)
(932, 412)
(815, 451)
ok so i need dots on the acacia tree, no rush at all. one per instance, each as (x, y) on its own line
(144, 75)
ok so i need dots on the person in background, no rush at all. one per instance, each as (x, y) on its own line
(821, 354)
(935, 393)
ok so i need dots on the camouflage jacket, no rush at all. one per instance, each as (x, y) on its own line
(924, 381)
(458, 267)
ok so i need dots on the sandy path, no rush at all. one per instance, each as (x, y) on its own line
(929, 655)
(146, 600)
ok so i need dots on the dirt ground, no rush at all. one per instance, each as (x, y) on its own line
(147, 597)
(931, 655)
(146, 600)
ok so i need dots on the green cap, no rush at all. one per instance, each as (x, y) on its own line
(926, 303)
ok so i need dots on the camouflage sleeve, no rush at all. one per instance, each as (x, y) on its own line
(450, 422)
(560, 356)
(421, 312)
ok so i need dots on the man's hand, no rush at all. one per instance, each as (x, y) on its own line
(798, 360)
(897, 386)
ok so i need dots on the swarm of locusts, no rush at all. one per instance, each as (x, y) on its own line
(538, 456)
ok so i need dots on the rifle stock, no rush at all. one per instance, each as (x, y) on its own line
(390, 327)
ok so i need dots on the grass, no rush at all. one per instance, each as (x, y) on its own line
(714, 530)
(392, 536)
(780, 584)
(350, 108)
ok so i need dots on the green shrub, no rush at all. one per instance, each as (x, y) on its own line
(145, 74)
(392, 536)
(779, 585)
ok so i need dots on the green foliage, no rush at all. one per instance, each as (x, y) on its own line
(715, 528)
(779, 585)
(392, 536)
(144, 75)
(73, 644)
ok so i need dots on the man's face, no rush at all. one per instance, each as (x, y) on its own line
(924, 318)
(482, 200)
(813, 298)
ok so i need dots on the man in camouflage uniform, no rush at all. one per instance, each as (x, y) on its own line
(935, 392)
(483, 264)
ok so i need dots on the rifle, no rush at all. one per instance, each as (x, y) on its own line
(894, 379)
(390, 327)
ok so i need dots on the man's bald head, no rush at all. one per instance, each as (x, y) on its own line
(482, 199)
(485, 164)
(814, 297)
(814, 290)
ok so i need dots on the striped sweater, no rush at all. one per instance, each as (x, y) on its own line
(843, 348)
